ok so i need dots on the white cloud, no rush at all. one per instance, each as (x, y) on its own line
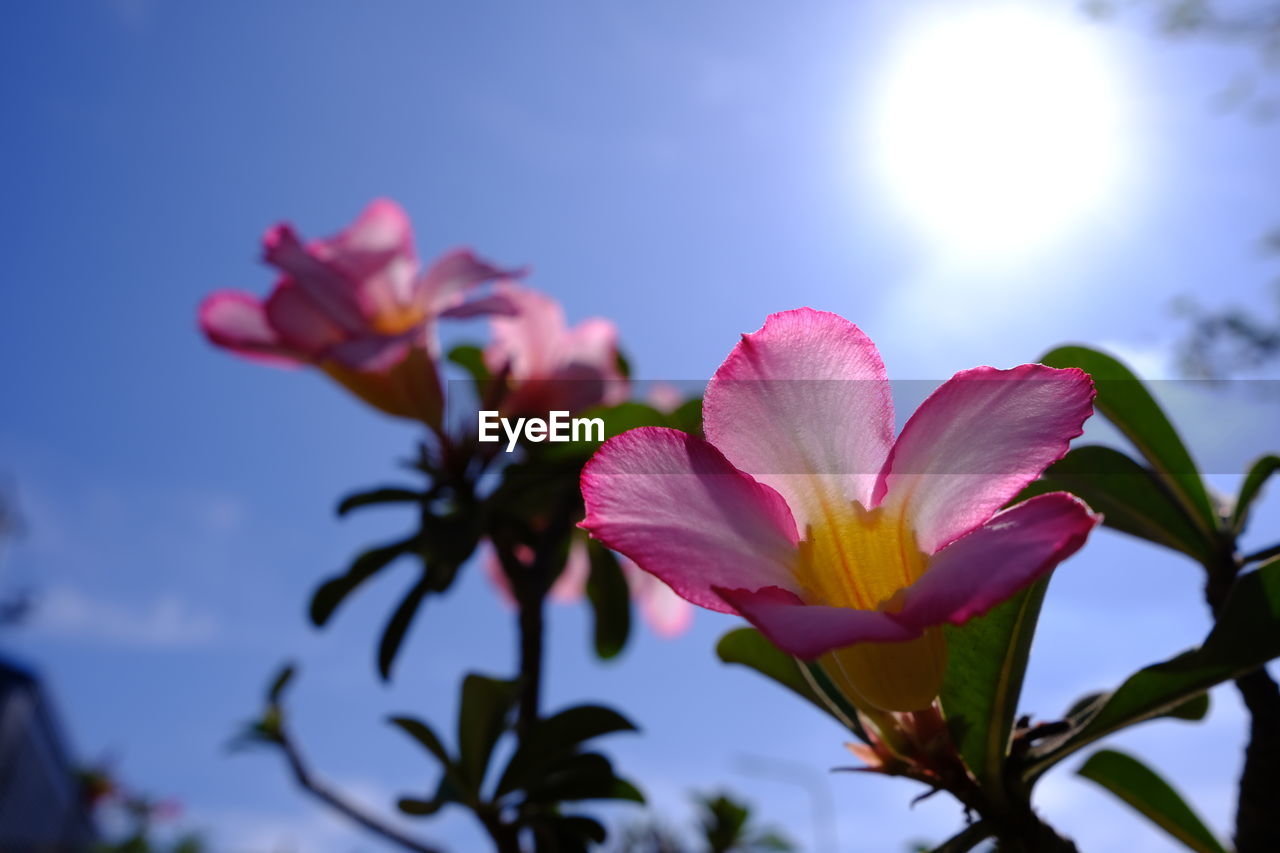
(166, 621)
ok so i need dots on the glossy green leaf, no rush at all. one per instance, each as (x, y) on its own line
(1144, 790)
(482, 717)
(1131, 498)
(331, 593)
(610, 599)
(1127, 403)
(393, 633)
(1246, 636)
(987, 659)
(1259, 473)
(555, 737)
(375, 497)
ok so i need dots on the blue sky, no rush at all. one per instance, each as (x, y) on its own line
(684, 169)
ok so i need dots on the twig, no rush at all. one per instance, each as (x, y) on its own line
(337, 802)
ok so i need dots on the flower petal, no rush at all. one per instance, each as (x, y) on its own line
(445, 283)
(330, 291)
(1016, 547)
(804, 406)
(237, 321)
(674, 505)
(372, 353)
(375, 253)
(529, 341)
(300, 322)
(977, 441)
(807, 630)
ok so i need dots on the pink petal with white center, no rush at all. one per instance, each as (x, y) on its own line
(238, 322)
(803, 405)
(983, 568)
(977, 441)
(807, 630)
(674, 505)
(444, 285)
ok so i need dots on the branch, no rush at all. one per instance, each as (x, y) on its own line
(337, 802)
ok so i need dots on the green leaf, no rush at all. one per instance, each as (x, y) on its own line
(1126, 402)
(1131, 498)
(1144, 790)
(334, 591)
(554, 737)
(482, 717)
(987, 659)
(610, 599)
(385, 495)
(748, 647)
(688, 417)
(1246, 636)
(398, 625)
(281, 681)
(1259, 473)
(623, 364)
(585, 776)
(418, 808)
(425, 736)
(446, 792)
(471, 359)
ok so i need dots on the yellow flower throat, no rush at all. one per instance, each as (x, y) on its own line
(865, 559)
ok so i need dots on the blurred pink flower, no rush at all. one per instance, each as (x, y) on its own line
(666, 613)
(357, 306)
(549, 366)
(801, 513)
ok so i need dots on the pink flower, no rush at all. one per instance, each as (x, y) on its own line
(356, 306)
(666, 613)
(801, 513)
(549, 366)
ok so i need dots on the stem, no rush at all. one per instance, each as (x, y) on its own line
(339, 803)
(1257, 827)
(531, 629)
(1024, 832)
(1264, 554)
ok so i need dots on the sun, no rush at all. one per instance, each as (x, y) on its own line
(998, 127)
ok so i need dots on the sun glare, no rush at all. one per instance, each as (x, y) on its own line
(998, 127)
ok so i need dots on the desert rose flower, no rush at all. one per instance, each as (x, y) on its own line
(804, 515)
(357, 306)
(666, 614)
(549, 366)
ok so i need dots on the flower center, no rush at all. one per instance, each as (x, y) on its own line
(865, 559)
